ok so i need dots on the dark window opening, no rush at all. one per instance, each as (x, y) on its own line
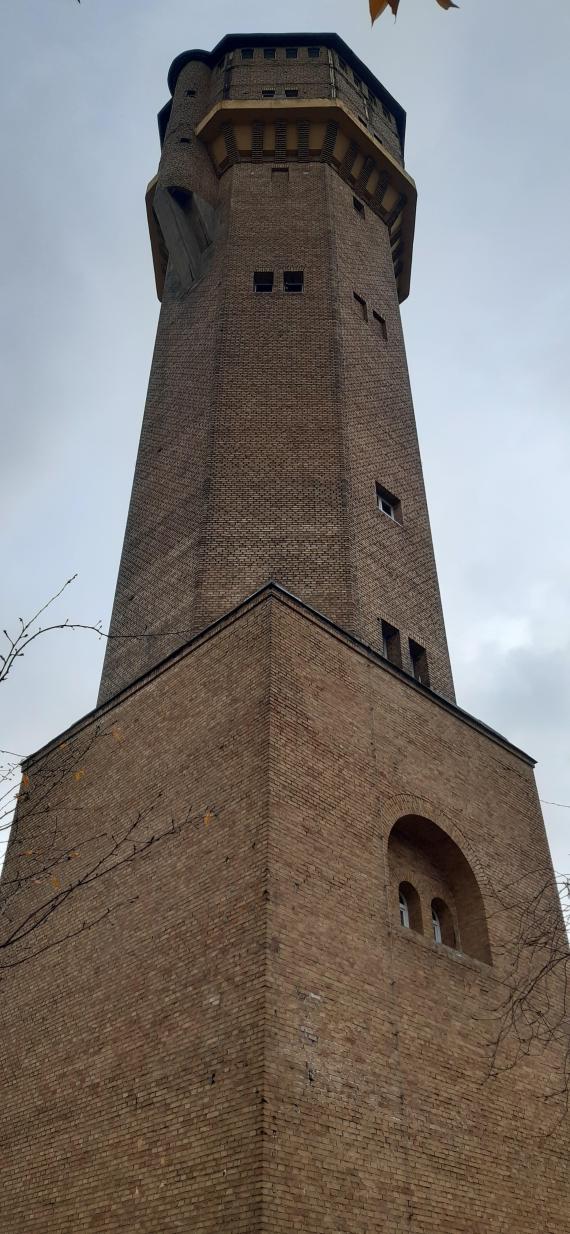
(391, 643)
(190, 94)
(247, 53)
(220, 64)
(362, 306)
(269, 53)
(381, 321)
(442, 924)
(293, 281)
(358, 206)
(388, 114)
(357, 81)
(341, 63)
(291, 94)
(418, 656)
(263, 280)
(185, 141)
(268, 94)
(388, 503)
(279, 175)
(363, 120)
(378, 138)
(291, 53)
(314, 53)
(410, 908)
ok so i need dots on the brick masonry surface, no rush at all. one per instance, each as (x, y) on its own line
(250, 1041)
(271, 418)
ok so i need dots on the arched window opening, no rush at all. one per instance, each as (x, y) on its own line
(420, 850)
(404, 912)
(410, 908)
(442, 923)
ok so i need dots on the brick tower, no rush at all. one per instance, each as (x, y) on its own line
(279, 852)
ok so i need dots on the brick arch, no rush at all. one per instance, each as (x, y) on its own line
(423, 849)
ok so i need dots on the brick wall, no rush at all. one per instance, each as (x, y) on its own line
(252, 1042)
(270, 419)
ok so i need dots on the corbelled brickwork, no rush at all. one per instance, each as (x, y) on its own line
(251, 1041)
(271, 418)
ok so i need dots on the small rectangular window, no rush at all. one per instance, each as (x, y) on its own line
(268, 53)
(291, 53)
(391, 644)
(381, 322)
(314, 53)
(291, 94)
(361, 306)
(293, 281)
(357, 81)
(247, 53)
(268, 94)
(418, 656)
(263, 280)
(388, 503)
(279, 175)
(359, 207)
(341, 63)
(190, 94)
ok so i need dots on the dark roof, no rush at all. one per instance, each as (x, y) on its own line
(231, 41)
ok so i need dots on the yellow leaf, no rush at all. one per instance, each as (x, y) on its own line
(209, 817)
(55, 882)
(116, 733)
(25, 780)
(78, 775)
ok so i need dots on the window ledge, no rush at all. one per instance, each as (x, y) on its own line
(457, 957)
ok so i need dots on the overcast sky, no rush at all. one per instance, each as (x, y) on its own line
(487, 325)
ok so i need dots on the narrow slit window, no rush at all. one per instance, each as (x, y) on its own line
(247, 53)
(293, 281)
(391, 643)
(388, 503)
(190, 94)
(341, 64)
(404, 912)
(381, 323)
(357, 81)
(268, 94)
(268, 53)
(359, 207)
(418, 656)
(291, 53)
(361, 306)
(291, 94)
(436, 926)
(263, 281)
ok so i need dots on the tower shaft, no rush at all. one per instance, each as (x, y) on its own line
(279, 440)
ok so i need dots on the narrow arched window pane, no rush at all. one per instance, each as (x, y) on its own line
(404, 911)
(436, 923)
